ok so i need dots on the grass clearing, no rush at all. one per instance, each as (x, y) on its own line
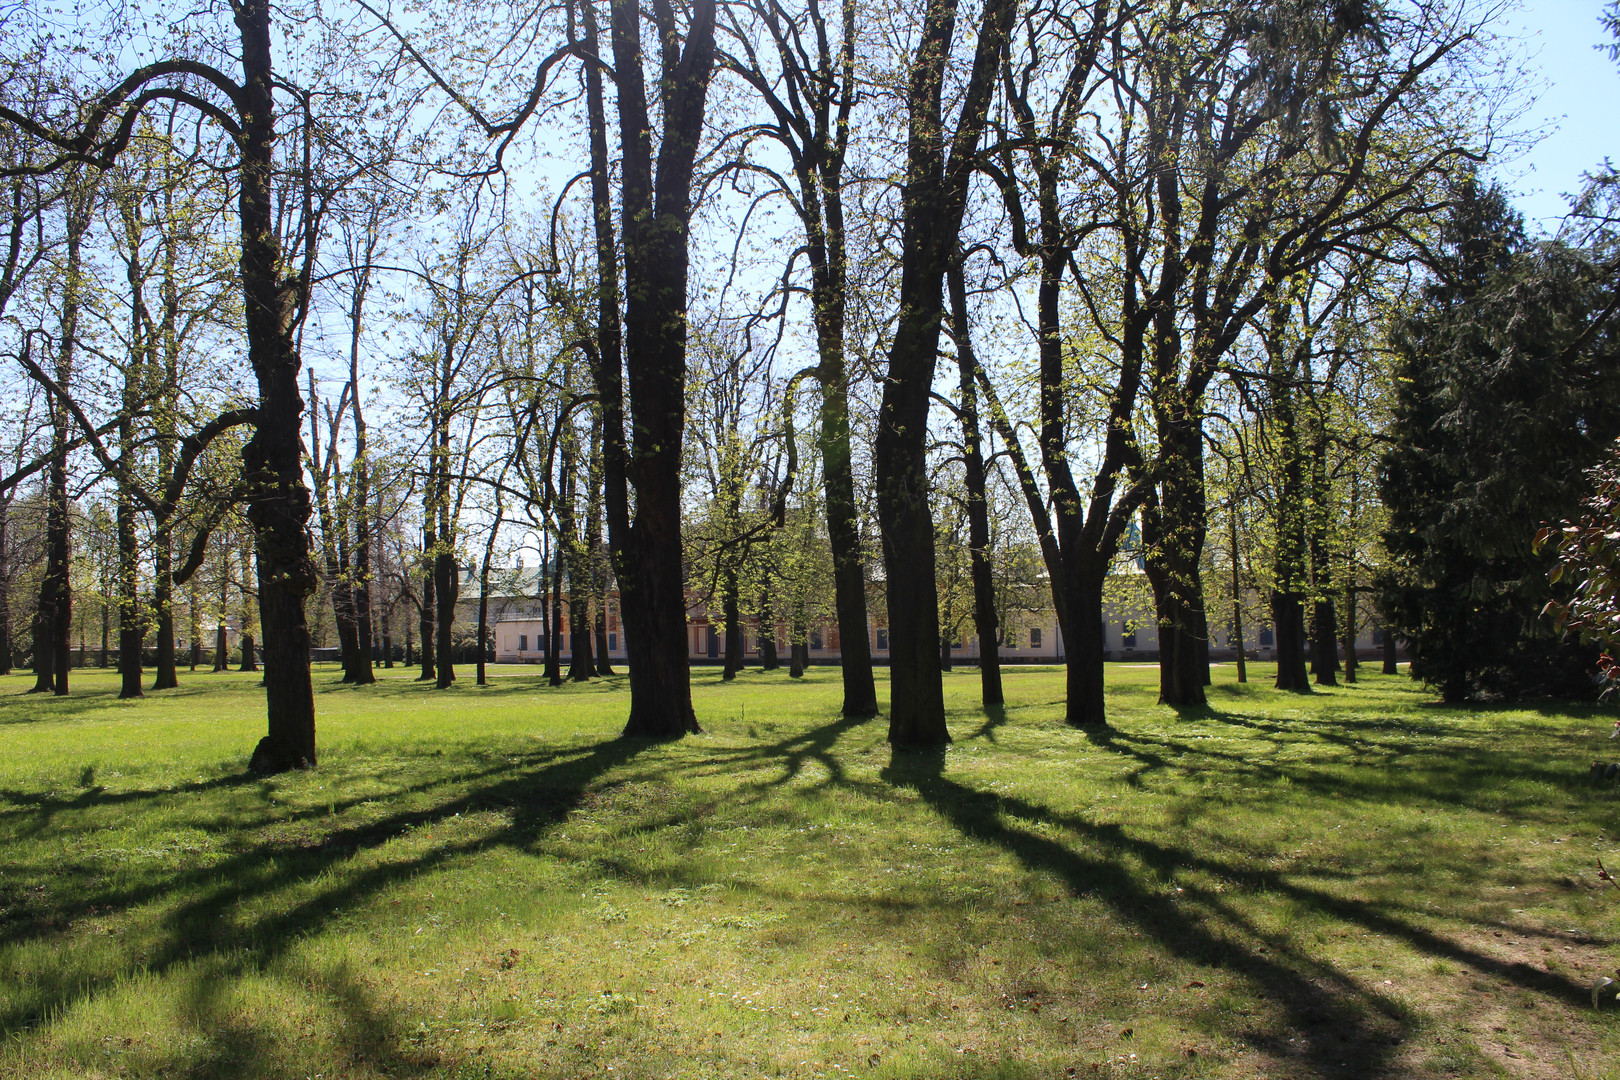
(488, 882)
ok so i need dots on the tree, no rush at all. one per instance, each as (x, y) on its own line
(1080, 528)
(656, 214)
(810, 101)
(275, 284)
(986, 621)
(738, 424)
(53, 614)
(1588, 557)
(1495, 418)
(940, 162)
(1277, 134)
(179, 281)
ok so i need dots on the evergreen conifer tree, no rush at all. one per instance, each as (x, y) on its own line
(1496, 416)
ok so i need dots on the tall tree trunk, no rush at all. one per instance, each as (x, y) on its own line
(194, 622)
(1324, 642)
(5, 584)
(426, 614)
(554, 625)
(1175, 553)
(933, 204)
(656, 215)
(44, 624)
(799, 654)
(843, 531)
(604, 660)
(1288, 615)
(1290, 567)
(1351, 660)
(131, 625)
(1237, 596)
(360, 598)
(731, 612)
(768, 659)
(322, 467)
(58, 562)
(167, 350)
(576, 559)
(81, 205)
(829, 284)
(821, 124)
(483, 616)
(360, 486)
(278, 502)
(986, 624)
(250, 652)
(1390, 665)
(597, 558)
(51, 636)
(166, 677)
(343, 613)
(446, 588)
(484, 636)
(1325, 622)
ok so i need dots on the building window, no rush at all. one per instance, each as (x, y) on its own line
(1378, 635)
(815, 639)
(1034, 637)
(1127, 636)
(523, 643)
(613, 641)
(1267, 639)
(883, 637)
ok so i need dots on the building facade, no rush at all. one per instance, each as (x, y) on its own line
(1127, 635)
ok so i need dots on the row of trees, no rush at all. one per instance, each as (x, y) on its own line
(1087, 284)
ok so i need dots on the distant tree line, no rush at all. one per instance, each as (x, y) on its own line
(792, 314)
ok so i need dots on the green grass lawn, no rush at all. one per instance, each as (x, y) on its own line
(490, 883)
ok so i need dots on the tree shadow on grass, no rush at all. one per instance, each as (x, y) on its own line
(1344, 1029)
(1376, 761)
(215, 919)
(995, 716)
(218, 913)
(814, 745)
(37, 811)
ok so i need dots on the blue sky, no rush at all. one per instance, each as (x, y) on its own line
(1579, 107)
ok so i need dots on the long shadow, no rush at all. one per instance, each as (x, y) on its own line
(48, 803)
(1346, 1030)
(814, 745)
(995, 716)
(203, 926)
(541, 788)
(1403, 769)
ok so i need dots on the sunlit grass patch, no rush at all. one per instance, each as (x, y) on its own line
(490, 882)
